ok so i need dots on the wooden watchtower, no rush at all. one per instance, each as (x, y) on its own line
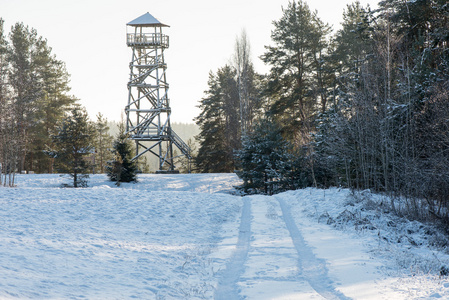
(148, 110)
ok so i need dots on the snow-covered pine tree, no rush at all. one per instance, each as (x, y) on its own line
(122, 168)
(267, 165)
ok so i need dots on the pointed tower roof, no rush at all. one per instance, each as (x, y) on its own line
(146, 20)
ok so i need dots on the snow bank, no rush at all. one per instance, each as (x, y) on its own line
(400, 258)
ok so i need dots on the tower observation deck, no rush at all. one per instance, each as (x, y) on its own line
(148, 110)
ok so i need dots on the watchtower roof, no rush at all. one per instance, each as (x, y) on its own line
(146, 20)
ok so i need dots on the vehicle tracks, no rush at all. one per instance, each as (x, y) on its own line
(272, 259)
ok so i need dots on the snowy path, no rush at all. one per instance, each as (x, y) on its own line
(271, 259)
(227, 286)
(314, 269)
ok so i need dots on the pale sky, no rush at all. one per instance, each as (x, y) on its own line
(90, 37)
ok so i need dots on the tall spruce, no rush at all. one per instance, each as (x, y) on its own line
(353, 42)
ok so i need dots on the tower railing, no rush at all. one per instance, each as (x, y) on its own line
(147, 39)
(185, 149)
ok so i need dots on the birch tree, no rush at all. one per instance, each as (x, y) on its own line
(249, 99)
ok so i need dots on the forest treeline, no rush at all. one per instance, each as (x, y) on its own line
(43, 128)
(365, 107)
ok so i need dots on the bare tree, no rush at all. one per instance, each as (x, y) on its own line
(242, 65)
(246, 82)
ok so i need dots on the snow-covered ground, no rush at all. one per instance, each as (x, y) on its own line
(188, 237)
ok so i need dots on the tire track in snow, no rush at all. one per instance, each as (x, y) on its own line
(227, 284)
(313, 268)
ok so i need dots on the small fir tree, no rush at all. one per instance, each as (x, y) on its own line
(122, 168)
(267, 165)
(115, 168)
(73, 142)
(143, 165)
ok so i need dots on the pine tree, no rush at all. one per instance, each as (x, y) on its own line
(73, 142)
(8, 122)
(295, 82)
(25, 85)
(50, 106)
(122, 168)
(353, 42)
(39, 84)
(219, 123)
